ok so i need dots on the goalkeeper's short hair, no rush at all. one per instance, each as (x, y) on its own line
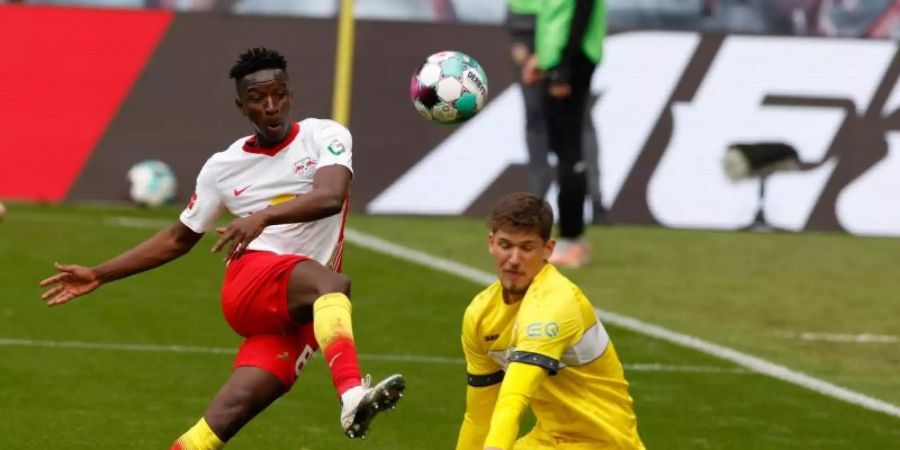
(523, 211)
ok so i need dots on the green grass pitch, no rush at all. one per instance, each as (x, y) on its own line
(745, 291)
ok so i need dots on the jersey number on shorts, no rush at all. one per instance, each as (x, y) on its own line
(304, 357)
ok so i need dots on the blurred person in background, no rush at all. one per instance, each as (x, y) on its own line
(800, 17)
(520, 22)
(568, 45)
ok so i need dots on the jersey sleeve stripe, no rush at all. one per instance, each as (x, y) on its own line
(536, 359)
(337, 254)
(486, 380)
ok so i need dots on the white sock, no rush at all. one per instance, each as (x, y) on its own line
(352, 393)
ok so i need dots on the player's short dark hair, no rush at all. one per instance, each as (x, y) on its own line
(523, 211)
(254, 60)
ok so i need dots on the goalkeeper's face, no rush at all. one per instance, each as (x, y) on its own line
(519, 254)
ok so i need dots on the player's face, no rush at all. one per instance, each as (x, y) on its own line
(265, 98)
(519, 254)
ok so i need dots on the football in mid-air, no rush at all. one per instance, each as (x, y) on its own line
(152, 183)
(450, 87)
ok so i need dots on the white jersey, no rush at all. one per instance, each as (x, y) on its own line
(245, 179)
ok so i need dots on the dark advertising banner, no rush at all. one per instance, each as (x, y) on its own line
(670, 104)
(181, 109)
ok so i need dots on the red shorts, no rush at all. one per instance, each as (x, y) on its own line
(254, 301)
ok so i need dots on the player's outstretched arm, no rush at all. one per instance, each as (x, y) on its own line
(484, 376)
(325, 199)
(518, 386)
(74, 281)
(480, 403)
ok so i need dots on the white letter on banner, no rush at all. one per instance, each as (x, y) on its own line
(636, 79)
(689, 187)
(869, 205)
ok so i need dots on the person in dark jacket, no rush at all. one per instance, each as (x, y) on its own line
(568, 45)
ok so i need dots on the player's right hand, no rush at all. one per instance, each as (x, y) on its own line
(72, 281)
(531, 73)
(520, 54)
(241, 232)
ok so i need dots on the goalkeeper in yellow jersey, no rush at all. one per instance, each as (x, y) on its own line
(533, 338)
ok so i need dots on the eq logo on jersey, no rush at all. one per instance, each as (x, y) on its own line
(551, 329)
(305, 167)
(538, 329)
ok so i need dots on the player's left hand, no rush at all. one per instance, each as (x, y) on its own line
(240, 232)
(560, 90)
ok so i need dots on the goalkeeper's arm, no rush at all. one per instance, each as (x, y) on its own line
(521, 380)
(480, 402)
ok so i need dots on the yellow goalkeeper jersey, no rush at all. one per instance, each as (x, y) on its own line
(584, 403)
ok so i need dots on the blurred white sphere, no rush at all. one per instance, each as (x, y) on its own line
(152, 183)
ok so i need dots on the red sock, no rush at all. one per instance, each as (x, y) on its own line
(344, 364)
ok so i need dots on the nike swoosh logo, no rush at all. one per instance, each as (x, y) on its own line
(330, 363)
(238, 192)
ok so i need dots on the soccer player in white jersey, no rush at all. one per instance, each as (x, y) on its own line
(288, 184)
(533, 338)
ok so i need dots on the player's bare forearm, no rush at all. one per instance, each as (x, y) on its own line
(325, 199)
(313, 205)
(72, 281)
(163, 247)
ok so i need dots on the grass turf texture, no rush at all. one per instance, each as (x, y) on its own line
(739, 290)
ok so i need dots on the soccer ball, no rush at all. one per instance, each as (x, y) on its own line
(152, 183)
(450, 87)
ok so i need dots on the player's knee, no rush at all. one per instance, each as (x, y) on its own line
(337, 283)
(572, 179)
(569, 172)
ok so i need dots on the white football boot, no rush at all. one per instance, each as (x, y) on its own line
(362, 403)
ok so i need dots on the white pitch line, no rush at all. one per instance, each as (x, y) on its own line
(9, 342)
(745, 360)
(119, 221)
(421, 258)
(158, 348)
(753, 363)
(654, 367)
(137, 222)
(420, 359)
(864, 338)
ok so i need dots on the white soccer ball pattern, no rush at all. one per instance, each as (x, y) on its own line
(450, 87)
